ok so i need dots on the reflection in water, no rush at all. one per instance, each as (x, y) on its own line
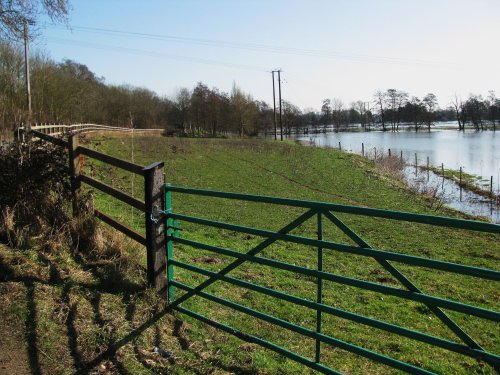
(449, 193)
(478, 153)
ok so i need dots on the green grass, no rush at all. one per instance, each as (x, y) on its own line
(89, 310)
(295, 171)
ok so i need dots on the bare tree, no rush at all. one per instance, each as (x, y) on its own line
(430, 102)
(414, 112)
(401, 100)
(360, 107)
(326, 112)
(458, 107)
(14, 13)
(379, 101)
(493, 108)
(474, 110)
(337, 113)
(391, 100)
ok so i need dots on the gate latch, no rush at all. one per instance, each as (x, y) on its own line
(156, 214)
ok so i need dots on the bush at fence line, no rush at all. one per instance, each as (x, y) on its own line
(35, 199)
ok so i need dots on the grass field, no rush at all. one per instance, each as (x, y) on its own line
(98, 312)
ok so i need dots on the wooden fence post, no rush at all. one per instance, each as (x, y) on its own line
(73, 171)
(155, 231)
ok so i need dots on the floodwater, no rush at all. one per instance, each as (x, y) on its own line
(451, 195)
(477, 152)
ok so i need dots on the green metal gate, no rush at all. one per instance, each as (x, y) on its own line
(322, 212)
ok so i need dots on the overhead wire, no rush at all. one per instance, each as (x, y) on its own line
(264, 47)
(142, 52)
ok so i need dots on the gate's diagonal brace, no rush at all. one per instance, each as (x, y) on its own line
(257, 249)
(406, 282)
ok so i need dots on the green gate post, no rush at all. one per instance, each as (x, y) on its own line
(320, 286)
(171, 225)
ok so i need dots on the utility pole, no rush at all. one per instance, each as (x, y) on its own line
(279, 94)
(367, 110)
(274, 107)
(27, 66)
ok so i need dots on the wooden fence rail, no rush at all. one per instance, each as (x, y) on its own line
(153, 196)
(60, 129)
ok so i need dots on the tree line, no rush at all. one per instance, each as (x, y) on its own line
(69, 92)
(393, 109)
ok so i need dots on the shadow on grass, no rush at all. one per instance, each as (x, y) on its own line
(30, 329)
(108, 280)
(56, 278)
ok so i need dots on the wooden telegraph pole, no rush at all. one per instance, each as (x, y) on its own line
(27, 74)
(274, 106)
(279, 94)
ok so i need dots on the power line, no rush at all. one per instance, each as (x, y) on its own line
(142, 52)
(264, 47)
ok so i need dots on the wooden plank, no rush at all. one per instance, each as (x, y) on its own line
(129, 232)
(155, 231)
(48, 138)
(73, 172)
(123, 164)
(124, 197)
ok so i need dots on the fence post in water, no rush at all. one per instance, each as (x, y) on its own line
(74, 172)
(389, 152)
(340, 147)
(155, 236)
(491, 186)
(460, 184)
(363, 149)
(416, 164)
(442, 171)
(428, 168)
(401, 155)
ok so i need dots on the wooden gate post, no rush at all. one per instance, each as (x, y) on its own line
(73, 171)
(155, 236)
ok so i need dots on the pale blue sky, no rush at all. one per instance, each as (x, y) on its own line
(326, 49)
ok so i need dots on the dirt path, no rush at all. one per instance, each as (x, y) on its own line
(13, 355)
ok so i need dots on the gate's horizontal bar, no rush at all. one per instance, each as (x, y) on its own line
(432, 340)
(124, 197)
(418, 297)
(363, 251)
(255, 250)
(307, 332)
(257, 340)
(321, 206)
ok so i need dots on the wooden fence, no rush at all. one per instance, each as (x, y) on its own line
(154, 239)
(60, 129)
